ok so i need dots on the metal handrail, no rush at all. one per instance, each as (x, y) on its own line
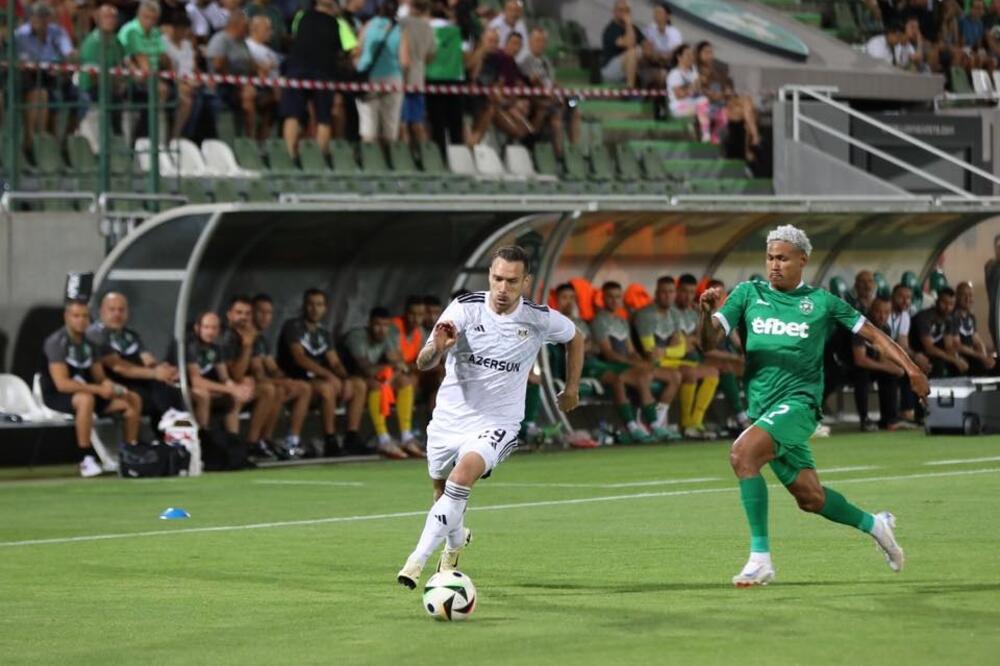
(105, 197)
(818, 95)
(11, 196)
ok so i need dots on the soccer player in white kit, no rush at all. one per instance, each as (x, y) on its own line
(490, 341)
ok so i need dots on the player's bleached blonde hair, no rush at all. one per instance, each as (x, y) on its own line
(793, 235)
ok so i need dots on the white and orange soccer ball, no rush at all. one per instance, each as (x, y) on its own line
(449, 595)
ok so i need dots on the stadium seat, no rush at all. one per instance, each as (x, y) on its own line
(996, 80)
(489, 165)
(311, 159)
(342, 156)
(190, 160)
(278, 157)
(247, 154)
(518, 162)
(430, 159)
(601, 166)
(166, 163)
(574, 163)
(46, 155)
(936, 281)
(545, 160)
(460, 160)
(981, 82)
(259, 191)
(839, 288)
(121, 156)
(401, 160)
(82, 159)
(224, 191)
(16, 398)
(652, 165)
(960, 81)
(194, 190)
(219, 158)
(882, 286)
(373, 161)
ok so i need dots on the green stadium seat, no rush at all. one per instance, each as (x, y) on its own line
(960, 81)
(224, 191)
(82, 159)
(342, 155)
(46, 155)
(937, 281)
(278, 157)
(373, 161)
(628, 163)
(401, 160)
(839, 288)
(247, 154)
(431, 160)
(652, 165)
(574, 164)
(545, 160)
(882, 286)
(311, 158)
(601, 166)
(259, 191)
(194, 190)
(847, 26)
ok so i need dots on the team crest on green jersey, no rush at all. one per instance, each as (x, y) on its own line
(806, 306)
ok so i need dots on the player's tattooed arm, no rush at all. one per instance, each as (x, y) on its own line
(709, 329)
(888, 349)
(443, 338)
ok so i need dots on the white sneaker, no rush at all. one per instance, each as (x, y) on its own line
(821, 431)
(755, 572)
(449, 556)
(885, 540)
(89, 467)
(409, 575)
(700, 432)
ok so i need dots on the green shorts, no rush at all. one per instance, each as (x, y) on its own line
(595, 367)
(790, 425)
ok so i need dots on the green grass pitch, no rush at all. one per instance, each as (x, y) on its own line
(612, 556)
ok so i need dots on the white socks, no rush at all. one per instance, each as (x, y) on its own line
(443, 520)
(662, 411)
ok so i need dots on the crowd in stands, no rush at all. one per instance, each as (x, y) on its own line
(922, 36)
(233, 367)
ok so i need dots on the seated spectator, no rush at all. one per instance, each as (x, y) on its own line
(914, 50)
(661, 38)
(416, 50)
(725, 105)
(548, 111)
(265, 59)
(373, 353)
(932, 332)
(899, 331)
(970, 344)
(686, 314)
(431, 379)
(209, 17)
(923, 12)
(227, 53)
(238, 344)
(316, 54)
(621, 47)
(270, 10)
(145, 50)
(379, 113)
(432, 312)
(991, 276)
(211, 386)
(728, 358)
(862, 295)
(991, 26)
(684, 91)
(495, 66)
(409, 329)
(42, 41)
(183, 57)
(869, 366)
(444, 112)
(73, 382)
(620, 365)
(658, 329)
(509, 21)
(106, 18)
(298, 392)
(128, 362)
(306, 352)
(891, 47)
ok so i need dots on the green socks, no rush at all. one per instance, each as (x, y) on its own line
(753, 494)
(839, 510)
(649, 413)
(627, 412)
(731, 391)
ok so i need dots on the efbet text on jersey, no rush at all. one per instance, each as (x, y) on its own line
(773, 326)
(493, 364)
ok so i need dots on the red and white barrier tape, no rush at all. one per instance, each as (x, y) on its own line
(354, 86)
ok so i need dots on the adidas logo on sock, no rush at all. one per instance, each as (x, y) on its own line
(443, 519)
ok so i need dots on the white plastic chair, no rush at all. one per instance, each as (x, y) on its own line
(519, 163)
(489, 165)
(108, 460)
(166, 162)
(219, 158)
(461, 162)
(16, 398)
(981, 82)
(996, 80)
(189, 159)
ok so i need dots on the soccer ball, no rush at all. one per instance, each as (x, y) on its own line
(449, 595)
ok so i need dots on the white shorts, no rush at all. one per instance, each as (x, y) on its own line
(445, 449)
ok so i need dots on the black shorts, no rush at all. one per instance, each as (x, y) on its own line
(63, 402)
(294, 104)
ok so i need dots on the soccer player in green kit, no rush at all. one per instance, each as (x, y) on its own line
(784, 324)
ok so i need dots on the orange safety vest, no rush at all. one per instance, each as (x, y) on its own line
(409, 347)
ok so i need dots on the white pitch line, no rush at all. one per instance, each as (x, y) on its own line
(962, 461)
(837, 470)
(289, 482)
(495, 507)
(627, 484)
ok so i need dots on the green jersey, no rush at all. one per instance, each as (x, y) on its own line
(655, 327)
(609, 326)
(784, 334)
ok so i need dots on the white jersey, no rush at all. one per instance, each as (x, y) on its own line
(486, 372)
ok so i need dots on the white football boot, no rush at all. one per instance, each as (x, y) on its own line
(756, 571)
(885, 540)
(409, 575)
(449, 556)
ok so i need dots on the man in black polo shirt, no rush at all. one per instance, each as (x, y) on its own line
(128, 362)
(211, 385)
(239, 349)
(315, 54)
(621, 46)
(970, 343)
(306, 352)
(933, 333)
(298, 392)
(74, 382)
(869, 366)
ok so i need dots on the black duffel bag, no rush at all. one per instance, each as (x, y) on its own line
(136, 461)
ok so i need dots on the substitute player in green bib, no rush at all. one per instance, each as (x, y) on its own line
(784, 324)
